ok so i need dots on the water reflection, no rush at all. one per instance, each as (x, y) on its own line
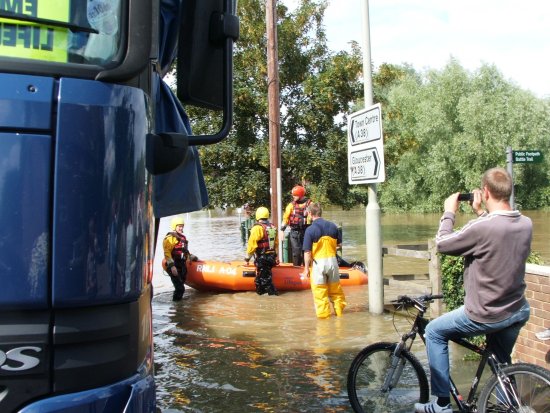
(240, 352)
(244, 352)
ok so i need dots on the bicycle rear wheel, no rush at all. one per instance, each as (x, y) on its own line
(368, 372)
(528, 391)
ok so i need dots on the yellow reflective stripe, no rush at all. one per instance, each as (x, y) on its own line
(324, 248)
(34, 41)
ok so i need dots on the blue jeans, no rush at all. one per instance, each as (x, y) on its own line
(501, 337)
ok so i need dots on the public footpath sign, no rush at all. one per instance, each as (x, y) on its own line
(531, 156)
(366, 146)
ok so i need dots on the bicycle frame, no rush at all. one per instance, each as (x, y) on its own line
(406, 343)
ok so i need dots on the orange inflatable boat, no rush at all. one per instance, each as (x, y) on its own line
(236, 276)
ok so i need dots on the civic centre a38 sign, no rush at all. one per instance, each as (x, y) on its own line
(365, 146)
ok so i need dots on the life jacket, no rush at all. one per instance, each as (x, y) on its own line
(267, 244)
(299, 217)
(180, 251)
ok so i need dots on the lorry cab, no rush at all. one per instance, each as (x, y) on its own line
(87, 158)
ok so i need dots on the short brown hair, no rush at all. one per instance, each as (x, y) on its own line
(498, 182)
(315, 209)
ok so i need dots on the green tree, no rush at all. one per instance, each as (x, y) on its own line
(455, 125)
(397, 140)
(317, 88)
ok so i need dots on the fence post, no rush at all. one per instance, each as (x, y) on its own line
(246, 226)
(434, 271)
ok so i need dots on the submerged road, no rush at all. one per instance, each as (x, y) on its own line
(240, 352)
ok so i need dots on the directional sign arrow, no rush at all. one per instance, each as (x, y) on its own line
(365, 164)
(376, 162)
(358, 133)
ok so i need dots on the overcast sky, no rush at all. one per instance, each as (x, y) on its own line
(512, 35)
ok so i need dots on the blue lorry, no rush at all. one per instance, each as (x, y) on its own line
(94, 149)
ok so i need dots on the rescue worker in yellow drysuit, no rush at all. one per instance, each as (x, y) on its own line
(176, 254)
(297, 217)
(320, 243)
(262, 243)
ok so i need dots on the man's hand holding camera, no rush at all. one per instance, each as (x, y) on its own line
(474, 198)
(451, 203)
(476, 202)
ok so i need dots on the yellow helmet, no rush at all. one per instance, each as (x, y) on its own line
(262, 213)
(175, 222)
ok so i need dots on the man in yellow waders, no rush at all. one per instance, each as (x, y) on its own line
(321, 240)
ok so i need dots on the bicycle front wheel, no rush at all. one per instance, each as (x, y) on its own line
(370, 389)
(527, 391)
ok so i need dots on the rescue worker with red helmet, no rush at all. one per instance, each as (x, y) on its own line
(321, 241)
(297, 217)
(176, 254)
(262, 244)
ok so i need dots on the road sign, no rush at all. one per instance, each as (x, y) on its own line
(364, 164)
(366, 146)
(531, 156)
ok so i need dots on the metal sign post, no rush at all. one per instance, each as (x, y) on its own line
(509, 164)
(373, 221)
(366, 166)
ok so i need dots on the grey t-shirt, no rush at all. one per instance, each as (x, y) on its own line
(495, 247)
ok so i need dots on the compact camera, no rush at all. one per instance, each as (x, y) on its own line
(466, 197)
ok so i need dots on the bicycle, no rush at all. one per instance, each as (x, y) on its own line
(387, 377)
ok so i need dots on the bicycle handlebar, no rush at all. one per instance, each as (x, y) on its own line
(422, 299)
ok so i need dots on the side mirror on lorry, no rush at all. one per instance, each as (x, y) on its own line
(208, 29)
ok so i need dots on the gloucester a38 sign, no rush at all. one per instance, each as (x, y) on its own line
(365, 146)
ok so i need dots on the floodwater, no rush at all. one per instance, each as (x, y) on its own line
(240, 352)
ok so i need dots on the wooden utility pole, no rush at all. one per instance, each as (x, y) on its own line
(273, 101)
